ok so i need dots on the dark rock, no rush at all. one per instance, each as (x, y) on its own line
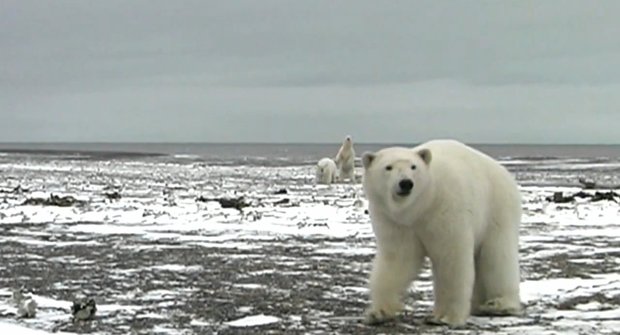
(113, 195)
(84, 309)
(282, 201)
(559, 198)
(54, 200)
(281, 191)
(611, 196)
(111, 187)
(236, 203)
(582, 194)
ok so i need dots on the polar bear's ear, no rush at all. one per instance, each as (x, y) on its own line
(367, 159)
(426, 156)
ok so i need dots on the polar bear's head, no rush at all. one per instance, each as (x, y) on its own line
(396, 175)
(347, 143)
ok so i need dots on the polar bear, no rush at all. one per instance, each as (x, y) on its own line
(326, 171)
(458, 207)
(345, 160)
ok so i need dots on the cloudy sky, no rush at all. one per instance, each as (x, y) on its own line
(310, 71)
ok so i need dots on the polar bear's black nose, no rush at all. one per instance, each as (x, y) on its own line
(405, 185)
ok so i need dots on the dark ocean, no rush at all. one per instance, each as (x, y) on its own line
(265, 154)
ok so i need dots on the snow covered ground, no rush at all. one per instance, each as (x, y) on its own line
(159, 262)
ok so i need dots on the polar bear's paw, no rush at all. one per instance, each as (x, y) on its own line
(499, 307)
(453, 322)
(380, 314)
(452, 317)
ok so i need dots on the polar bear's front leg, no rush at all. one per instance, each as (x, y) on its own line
(453, 281)
(392, 272)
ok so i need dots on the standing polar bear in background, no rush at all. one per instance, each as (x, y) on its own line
(326, 171)
(345, 160)
(455, 205)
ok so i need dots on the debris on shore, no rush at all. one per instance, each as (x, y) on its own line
(112, 196)
(560, 198)
(54, 200)
(236, 203)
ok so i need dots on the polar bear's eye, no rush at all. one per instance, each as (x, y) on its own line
(413, 167)
(388, 168)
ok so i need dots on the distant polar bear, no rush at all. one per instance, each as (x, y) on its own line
(455, 205)
(326, 171)
(345, 160)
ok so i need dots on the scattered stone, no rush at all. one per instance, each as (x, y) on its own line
(560, 198)
(113, 195)
(611, 196)
(170, 201)
(282, 201)
(281, 191)
(111, 187)
(54, 200)
(602, 299)
(253, 216)
(582, 194)
(236, 203)
(27, 308)
(84, 309)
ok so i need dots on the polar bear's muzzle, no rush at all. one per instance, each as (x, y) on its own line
(404, 187)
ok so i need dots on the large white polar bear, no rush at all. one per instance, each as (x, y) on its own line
(345, 160)
(455, 205)
(326, 171)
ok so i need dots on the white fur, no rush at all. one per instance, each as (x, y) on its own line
(326, 171)
(345, 160)
(463, 213)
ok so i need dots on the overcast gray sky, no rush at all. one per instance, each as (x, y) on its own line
(310, 71)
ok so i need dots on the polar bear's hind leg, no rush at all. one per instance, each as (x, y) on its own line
(497, 276)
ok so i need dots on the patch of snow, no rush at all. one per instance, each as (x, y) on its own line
(347, 250)
(175, 268)
(250, 286)
(567, 287)
(200, 323)
(159, 294)
(157, 329)
(45, 302)
(152, 316)
(7, 328)
(245, 309)
(253, 321)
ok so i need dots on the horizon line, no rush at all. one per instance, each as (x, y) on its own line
(295, 143)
